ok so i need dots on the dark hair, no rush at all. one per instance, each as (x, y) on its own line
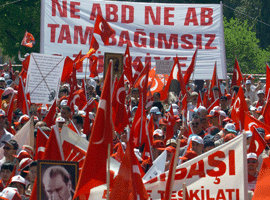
(135, 90)
(157, 93)
(158, 104)
(66, 108)
(78, 118)
(34, 163)
(64, 89)
(7, 165)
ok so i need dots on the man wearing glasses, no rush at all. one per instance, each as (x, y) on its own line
(196, 126)
(10, 148)
(4, 134)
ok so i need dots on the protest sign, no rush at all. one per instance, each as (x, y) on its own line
(218, 174)
(153, 31)
(43, 77)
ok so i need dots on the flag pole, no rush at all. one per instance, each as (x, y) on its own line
(174, 167)
(184, 191)
(108, 172)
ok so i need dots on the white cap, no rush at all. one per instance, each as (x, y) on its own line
(64, 102)
(2, 112)
(249, 134)
(197, 139)
(155, 110)
(2, 79)
(92, 83)
(10, 193)
(158, 132)
(175, 112)
(60, 119)
(222, 113)
(18, 179)
(260, 92)
(6, 76)
(175, 106)
(216, 108)
(252, 156)
(252, 108)
(248, 82)
(230, 127)
(201, 109)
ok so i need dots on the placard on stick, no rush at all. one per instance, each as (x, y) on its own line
(117, 65)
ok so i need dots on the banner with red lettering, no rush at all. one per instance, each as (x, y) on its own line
(153, 31)
(218, 174)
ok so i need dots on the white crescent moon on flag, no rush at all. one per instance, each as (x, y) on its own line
(234, 105)
(155, 86)
(121, 89)
(101, 27)
(74, 99)
(251, 124)
(257, 145)
(141, 82)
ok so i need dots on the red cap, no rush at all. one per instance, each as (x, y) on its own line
(229, 137)
(177, 118)
(183, 142)
(267, 139)
(189, 155)
(163, 121)
(229, 97)
(22, 154)
(159, 144)
(24, 163)
(170, 149)
(250, 77)
(213, 113)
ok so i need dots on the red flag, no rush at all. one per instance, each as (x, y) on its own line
(41, 141)
(67, 70)
(78, 99)
(266, 113)
(119, 153)
(103, 29)
(138, 71)
(53, 149)
(170, 125)
(94, 46)
(119, 116)
(267, 85)
(214, 82)
(262, 191)
(239, 108)
(173, 75)
(260, 146)
(215, 103)
(28, 40)
(101, 136)
(10, 110)
(169, 179)
(199, 102)
(237, 75)
(140, 82)
(73, 153)
(128, 183)
(77, 60)
(156, 84)
(251, 123)
(93, 67)
(72, 127)
(50, 117)
(127, 66)
(34, 191)
(21, 99)
(190, 69)
(151, 129)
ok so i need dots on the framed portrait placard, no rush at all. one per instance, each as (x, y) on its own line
(56, 179)
(117, 64)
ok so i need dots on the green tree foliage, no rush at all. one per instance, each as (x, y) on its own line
(15, 19)
(241, 42)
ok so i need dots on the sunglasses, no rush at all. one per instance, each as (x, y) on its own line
(197, 123)
(7, 148)
(252, 161)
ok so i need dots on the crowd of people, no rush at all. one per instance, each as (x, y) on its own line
(199, 130)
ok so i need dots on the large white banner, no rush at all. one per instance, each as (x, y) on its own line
(218, 174)
(153, 31)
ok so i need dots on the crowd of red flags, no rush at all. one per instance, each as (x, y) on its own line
(112, 115)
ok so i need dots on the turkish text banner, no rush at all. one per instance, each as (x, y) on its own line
(153, 31)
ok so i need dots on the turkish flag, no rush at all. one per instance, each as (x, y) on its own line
(50, 117)
(140, 82)
(128, 183)
(22, 101)
(257, 143)
(101, 136)
(94, 46)
(251, 123)
(215, 103)
(120, 117)
(191, 67)
(137, 71)
(237, 75)
(77, 62)
(127, 66)
(266, 113)
(53, 149)
(67, 70)
(41, 141)
(28, 40)
(155, 82)
(239, 108)
(93, 67)
(103, 29)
